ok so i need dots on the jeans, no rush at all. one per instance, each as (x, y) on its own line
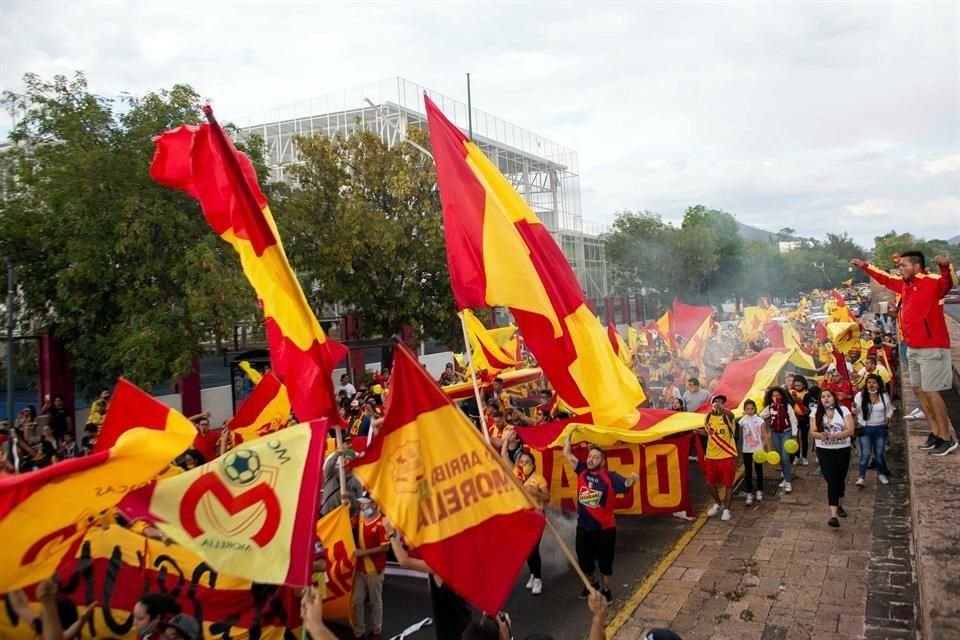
(873, 440)
(785, 466)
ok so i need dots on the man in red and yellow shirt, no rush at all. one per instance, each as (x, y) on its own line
(720, 465)
(372, 546)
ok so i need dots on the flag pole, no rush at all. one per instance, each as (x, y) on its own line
(553, 530)
(473, 378)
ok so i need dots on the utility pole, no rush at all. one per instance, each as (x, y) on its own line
(469, 111)
(11, 407)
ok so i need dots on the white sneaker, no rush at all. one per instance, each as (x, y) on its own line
(749, 499)
(726, 515)
(803, 461)
(714, 510)
(787, 487)
(883, 479)
(759, 496)
(537, 587)
(916, 415)
(530, 581)
(861, 482)
(782, 484)
(913, 413)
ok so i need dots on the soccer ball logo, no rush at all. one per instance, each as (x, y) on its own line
(242, 466)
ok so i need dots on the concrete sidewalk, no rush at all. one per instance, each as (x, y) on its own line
(935, 493)
(776, 571)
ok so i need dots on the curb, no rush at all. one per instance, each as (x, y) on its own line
(652, 578)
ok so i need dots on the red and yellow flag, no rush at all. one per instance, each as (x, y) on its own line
(131, 408)
(202, 161)
(487, 353)
(687, 319)
(664, 326)
(446, 491)
(44, 514)
(635, 339)
(841, 312)
(115, 567)
(266, 409)
(251, 512)
(499, 254)
(619, 346)
(845, 336)
(696, 345)
(339, 552)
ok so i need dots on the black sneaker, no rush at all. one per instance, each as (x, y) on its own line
(931, 442)
(944, 447)
(841, 512)
(606, 594)
(585, 593)
(833, 522)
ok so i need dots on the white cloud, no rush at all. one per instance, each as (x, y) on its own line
(822, 117)
(947, 164)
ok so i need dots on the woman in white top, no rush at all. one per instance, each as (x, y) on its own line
(832, 428)
(752, 436)
(874, 411)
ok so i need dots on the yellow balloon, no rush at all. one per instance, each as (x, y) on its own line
(773, 457)
(791, 445)
(760, 456)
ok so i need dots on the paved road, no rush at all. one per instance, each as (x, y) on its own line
(641, 542)
(953, 310)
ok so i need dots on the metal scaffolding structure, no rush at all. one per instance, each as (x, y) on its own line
(544, 173)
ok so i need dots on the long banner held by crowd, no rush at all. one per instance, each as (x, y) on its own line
(115, 567)
(662, 466)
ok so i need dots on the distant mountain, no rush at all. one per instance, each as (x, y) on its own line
(954, 240)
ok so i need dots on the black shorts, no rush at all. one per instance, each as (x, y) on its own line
(596, 548)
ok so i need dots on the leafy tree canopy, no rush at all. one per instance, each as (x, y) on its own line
(125, 271)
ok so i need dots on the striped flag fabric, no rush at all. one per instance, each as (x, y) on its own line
(265, 410)
(202, 161)
(44, 514)
(500, 254)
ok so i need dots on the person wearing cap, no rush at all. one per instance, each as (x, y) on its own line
(372, 546)
(720, 463)
(180, 627)
(331, 481)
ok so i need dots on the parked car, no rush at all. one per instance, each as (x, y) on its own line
(952, 297)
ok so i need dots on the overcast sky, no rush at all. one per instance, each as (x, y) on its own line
(824, 117)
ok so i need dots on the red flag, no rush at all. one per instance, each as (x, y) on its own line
(774, 332)
(446, 491)
(264, 411)
(130, 408)
(203, 162)
(686, 319)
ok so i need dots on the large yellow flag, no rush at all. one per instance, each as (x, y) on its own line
(845, 336)
(44, 514)
(251, 512)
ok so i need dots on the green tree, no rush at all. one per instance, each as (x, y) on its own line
(890, 243)
(125, 271)
(637, 252)
(722, 271)
(365, 229)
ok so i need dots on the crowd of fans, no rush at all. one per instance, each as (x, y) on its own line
(832, 410)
